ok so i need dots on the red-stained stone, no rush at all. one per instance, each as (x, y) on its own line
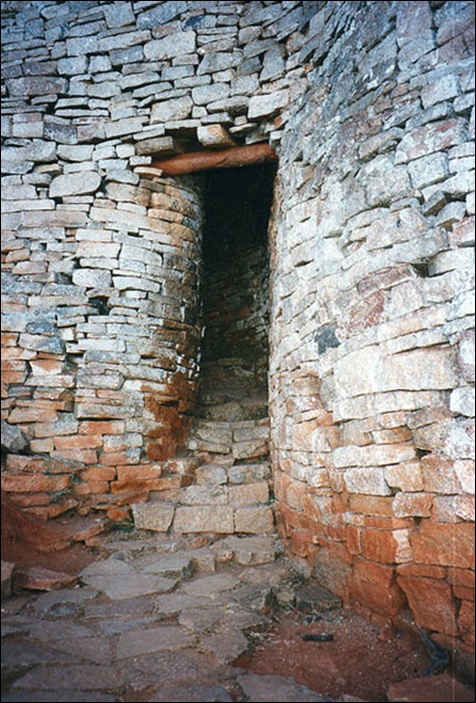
(437, 689)
(375, 587)
(466, 621)
(444, 543)
(431, 602)
(38, 579)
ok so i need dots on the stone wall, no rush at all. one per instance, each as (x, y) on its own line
(372, 387)
(370, 107)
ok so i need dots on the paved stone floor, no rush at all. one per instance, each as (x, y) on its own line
(151, 620)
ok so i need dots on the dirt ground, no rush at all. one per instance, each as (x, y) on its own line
(359, 659)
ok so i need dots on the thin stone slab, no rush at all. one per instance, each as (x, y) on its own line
(199, 693)
(47, 631)
(156, 639)
(264, 689)
(116, 626)
(227, 646)
(19, 653)
(16, 625)
(201, 619)
(172, 566)
(147, 670)
(153, 516)
(106, 567)
(120, 608)
(174, 603)
(63, 696)
(211, 585)
(135, 585)
(38, 579)
(79, 678)
(63, 603)
(250, 551)
(97, 650)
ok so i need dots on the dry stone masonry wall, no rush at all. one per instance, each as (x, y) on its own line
(370, 108)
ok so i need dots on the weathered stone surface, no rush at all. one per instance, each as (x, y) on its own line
(272, 688)
(157, 16)
(431, 603)
(434, 688)
(38, 579)
(66, 678)
(197, 693)
(252, 550)
(174, 566)
(92, 278)
(75, 184)
(116, 587)
(254, 520)
(445, 544)
(215, 136)
(429, 139)
(13, 439)
(153, 516)
(157, 639)
(36, 85)
(210, 586)
(170, 46)
(217, 519)
(265, 105)
(226, 646)
(7, 571)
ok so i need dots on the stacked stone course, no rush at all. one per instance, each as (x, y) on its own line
(370, 108)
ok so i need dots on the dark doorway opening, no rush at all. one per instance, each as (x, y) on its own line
(235, 312)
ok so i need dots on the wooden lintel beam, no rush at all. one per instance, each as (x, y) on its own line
(234, 157)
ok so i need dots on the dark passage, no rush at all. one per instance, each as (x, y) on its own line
(235, 284)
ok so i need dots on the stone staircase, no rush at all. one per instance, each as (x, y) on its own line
(223, 484)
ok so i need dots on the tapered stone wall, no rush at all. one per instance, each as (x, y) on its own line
(370, 108)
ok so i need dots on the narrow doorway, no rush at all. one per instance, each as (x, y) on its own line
(235, 312)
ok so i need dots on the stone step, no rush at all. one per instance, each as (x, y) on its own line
(244, 439)
(221, 473)
(234, 410)
(218, 518)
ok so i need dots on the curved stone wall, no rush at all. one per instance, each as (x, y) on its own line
(370, 107)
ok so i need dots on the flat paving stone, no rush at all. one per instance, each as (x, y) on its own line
(156, 639)
(17, 625)
(106, 567)
(227, 645)
(64, 603)
(151, 669)
(201, 619)
(174, 603)
(173, 566)
(35, 578)
(97, 650)
(57, 696)
(134, 585)
(191, 694)
(79, 678)
(141, 605)
(23, 653)
(50, 630)
(210, 585)
(269, 689)
(117, 626)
